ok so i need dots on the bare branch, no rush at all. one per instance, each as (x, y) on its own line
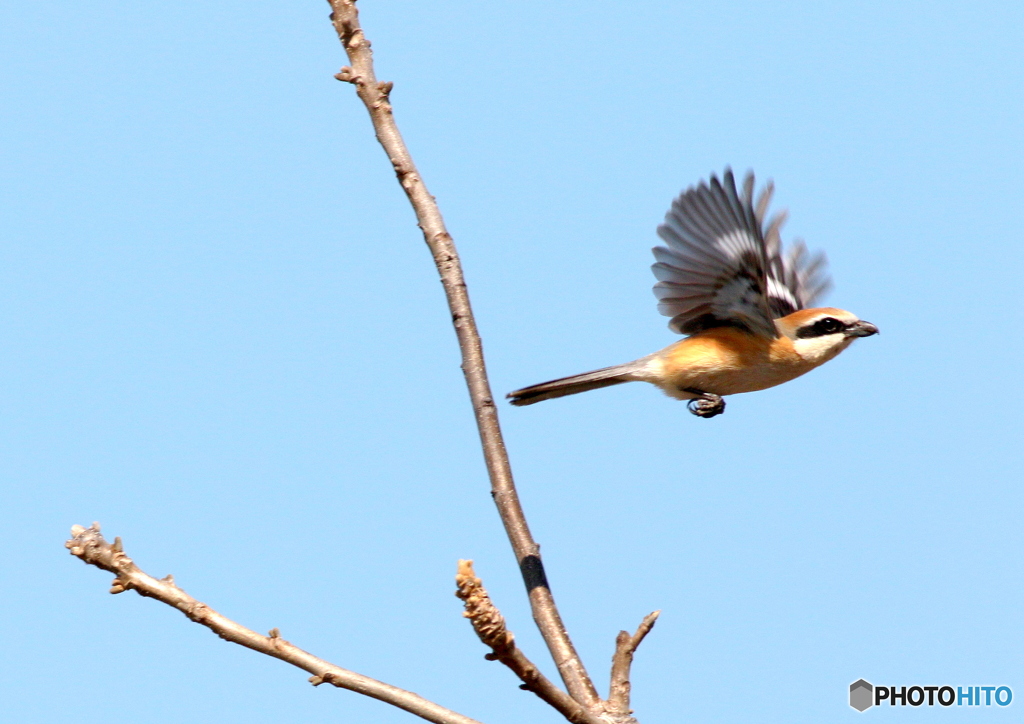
(622, 660)
(375, 96)
(490, 626)
(89, 545)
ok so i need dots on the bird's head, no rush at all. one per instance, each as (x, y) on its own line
(820, 334)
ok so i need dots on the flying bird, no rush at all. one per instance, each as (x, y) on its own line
(744, 306)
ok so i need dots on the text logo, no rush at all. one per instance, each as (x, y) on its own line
(864, 695)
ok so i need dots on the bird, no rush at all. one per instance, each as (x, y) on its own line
(744, 306)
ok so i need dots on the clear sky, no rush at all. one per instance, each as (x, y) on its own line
(222, 336)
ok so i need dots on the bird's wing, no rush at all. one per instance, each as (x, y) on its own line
(724, 266)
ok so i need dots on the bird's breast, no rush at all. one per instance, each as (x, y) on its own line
(728, 361)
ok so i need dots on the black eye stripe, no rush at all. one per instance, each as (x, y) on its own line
(826, 325)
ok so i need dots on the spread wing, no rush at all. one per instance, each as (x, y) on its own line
(724, 266)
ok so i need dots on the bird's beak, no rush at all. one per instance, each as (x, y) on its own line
(861, 329)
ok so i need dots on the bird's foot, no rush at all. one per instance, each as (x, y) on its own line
(707, 405)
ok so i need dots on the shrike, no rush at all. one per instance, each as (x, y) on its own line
(724, 282)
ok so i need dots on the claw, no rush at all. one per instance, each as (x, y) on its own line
(707, 405)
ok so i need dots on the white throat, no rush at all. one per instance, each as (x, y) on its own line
(818, 350)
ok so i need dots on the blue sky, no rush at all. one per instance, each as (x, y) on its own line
(222, 337)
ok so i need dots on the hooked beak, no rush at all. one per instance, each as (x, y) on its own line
(861, 329)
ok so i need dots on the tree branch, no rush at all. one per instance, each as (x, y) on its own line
(622, 660)
(89, 545)
(490, 626)
(375, 96)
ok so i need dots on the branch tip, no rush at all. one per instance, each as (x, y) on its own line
(622, 661)
(487, 620)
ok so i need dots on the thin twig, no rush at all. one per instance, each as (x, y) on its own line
(622, 660)
(375, 95)
(89, 545)
(490, 626)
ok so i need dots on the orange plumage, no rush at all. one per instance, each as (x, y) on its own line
(728, 360)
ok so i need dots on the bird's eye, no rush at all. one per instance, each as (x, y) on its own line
(825, 325)
(828, 325)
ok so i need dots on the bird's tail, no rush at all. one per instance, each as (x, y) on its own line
(577, 383)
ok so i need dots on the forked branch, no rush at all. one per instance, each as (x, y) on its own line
(376, 97)
(89, 545)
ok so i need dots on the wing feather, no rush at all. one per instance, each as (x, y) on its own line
(723, 265)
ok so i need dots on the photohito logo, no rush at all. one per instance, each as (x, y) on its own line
(863, 695)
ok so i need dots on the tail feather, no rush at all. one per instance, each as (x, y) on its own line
(572, 385)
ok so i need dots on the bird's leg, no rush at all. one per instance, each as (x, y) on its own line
(705, 404)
